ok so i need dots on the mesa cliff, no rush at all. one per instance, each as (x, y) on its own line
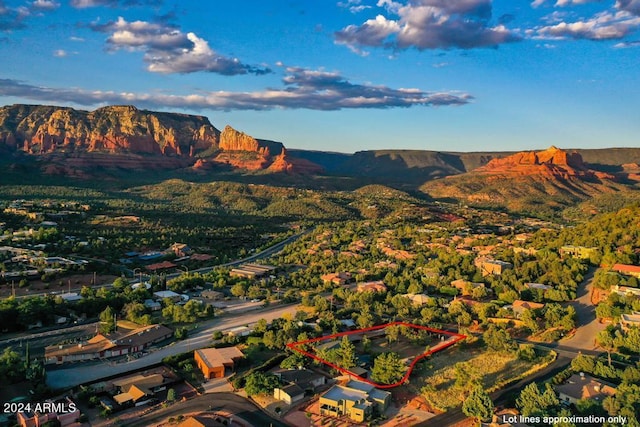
(553, 177)
(551, 163)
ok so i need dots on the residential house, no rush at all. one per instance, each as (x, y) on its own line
(376, 286)
(356, 400)
(492, 267)
(63, 410)
(208, 420)
(419, 299)
(629, 270)
(537, 286)
(213, 362)
(152, 305)
(629, 320)
(180, 249)
(289, 394)
(466, 286)
(307, 380)
(579, 387)
(161, 295)
(137, 390)
(212, 295)
(518, 307)
(625, 291)
(340, 278)
(164, 265)
(125, 341)
(581, 252)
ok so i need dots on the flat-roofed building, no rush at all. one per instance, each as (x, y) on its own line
(252, 271)
(581, 252)
(629, 320)
(213, 362)
(356, 400)
(493, 267)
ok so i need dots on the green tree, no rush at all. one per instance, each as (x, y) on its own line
(533, 402)
(107, 321)
(171, 395)
(388, 368)
(348, 356)
(260, 383)
(498, 339)
(295, 361)
(478, 404)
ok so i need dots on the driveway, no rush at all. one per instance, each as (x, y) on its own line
(587, 324)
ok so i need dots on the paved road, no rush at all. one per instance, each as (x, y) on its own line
(92, 371)
(222, 402)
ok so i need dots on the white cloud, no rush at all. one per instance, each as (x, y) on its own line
(302, 89)
(60, 53)
(603, 26)
(354, 6)
(169, 50)
(45, 5)
(428, 24)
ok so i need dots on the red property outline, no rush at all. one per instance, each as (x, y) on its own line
(435, 349)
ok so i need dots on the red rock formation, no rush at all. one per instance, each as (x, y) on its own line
(43, 129)
(283, 163)
(232, 140)
(553, 163)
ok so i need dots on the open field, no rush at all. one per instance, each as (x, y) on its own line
(446, 377)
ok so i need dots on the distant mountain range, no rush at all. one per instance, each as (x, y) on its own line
(83, 144)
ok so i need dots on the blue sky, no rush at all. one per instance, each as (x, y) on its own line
(343, 75)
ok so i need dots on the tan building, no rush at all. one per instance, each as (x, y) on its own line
(138, 389)
(630, 320)
(419, 299)
(377, 286)
(213, 362)
(356, 400)
(518, 307)
(581, 252)
(125, 341)
(465, 287)
(493, 267)
(252, 271)
(341, 278)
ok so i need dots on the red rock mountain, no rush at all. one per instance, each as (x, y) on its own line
(65, 139)
(39, 129)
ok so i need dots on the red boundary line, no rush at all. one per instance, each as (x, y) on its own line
(458, 337)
